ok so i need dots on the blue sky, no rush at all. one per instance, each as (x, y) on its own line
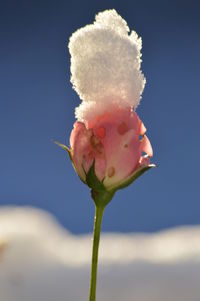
(37, 105)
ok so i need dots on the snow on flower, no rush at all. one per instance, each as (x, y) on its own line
(105, 65)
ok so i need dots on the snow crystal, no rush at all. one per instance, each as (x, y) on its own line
(105, 64)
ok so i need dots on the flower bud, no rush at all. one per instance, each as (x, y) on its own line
(115, 141)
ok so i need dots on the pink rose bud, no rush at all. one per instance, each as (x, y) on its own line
(116, 140)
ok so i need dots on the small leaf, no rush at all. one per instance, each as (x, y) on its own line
(65, 148)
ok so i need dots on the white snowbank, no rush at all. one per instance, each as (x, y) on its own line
(39, 260)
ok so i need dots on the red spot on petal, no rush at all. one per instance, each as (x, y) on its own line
(94, 140)
(111, 171)
(96, 145)
(101, 132)
(122, 128)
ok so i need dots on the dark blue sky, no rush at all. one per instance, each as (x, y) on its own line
(37, 105)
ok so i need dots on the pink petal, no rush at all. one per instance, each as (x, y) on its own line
(113, 140)
(144, 161)
(142, 129)
(146, 146)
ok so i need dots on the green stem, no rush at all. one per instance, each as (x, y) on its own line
(96, 238)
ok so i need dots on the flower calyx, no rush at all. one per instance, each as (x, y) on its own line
(102, 195)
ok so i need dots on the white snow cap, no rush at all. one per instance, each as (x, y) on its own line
(105, 65)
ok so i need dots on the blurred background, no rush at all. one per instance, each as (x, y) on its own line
(37, 106)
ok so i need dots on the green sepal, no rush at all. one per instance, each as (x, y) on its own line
(92, 180)
(65, 148)
(131, 178)
(102, 195)
(99, 194)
